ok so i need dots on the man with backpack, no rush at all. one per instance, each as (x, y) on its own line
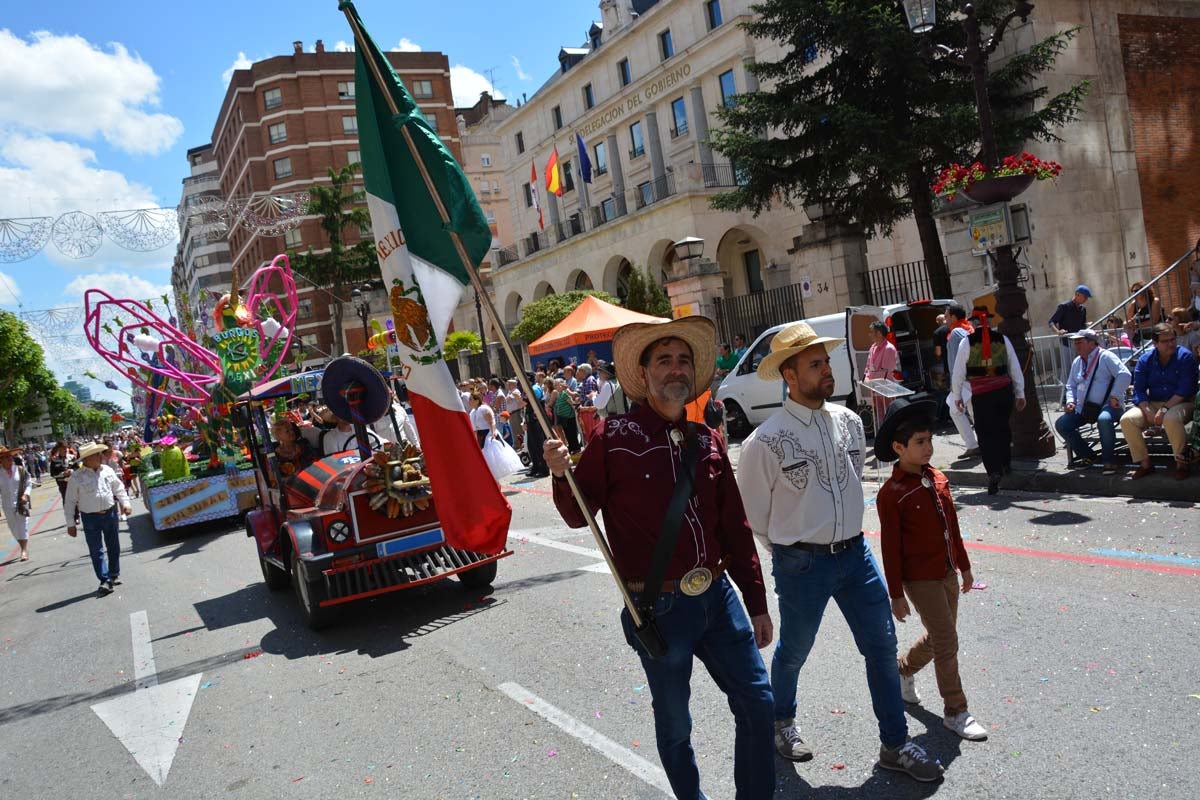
(609, 397)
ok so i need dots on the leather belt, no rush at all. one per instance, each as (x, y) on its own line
(826, 549)
(674, 586)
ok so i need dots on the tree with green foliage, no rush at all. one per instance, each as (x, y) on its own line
(860, 115)
(340, 268)
(645, 295)
(541, 315)
(462, 340)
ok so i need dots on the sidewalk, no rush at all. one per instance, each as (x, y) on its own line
(1052, 475)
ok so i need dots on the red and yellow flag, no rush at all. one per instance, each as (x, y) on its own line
(554, 179)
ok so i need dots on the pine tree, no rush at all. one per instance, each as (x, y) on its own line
(635, 297)
(861, 115)
(657, 302)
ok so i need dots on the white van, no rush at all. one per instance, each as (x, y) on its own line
(749, 401)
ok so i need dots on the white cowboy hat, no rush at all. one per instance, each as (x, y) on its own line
(91, 449)
(795, 338)
(631, 340)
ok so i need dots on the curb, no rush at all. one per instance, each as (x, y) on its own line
(1085, 482)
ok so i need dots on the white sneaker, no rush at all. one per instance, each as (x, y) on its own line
(965, 726)
(908, 690)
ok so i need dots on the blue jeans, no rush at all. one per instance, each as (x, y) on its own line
(804, 582)
(713, 628)
(1068, 428)
(100, 530)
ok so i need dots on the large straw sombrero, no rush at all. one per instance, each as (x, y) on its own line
(795, 338)
(91, 449)
(631, 340)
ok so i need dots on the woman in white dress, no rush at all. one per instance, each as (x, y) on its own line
(14, 492)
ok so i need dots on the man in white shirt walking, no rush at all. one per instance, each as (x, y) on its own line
(94, 490)
(800, 476)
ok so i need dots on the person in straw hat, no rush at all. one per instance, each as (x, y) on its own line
(14, 495)
(95, 490)
(630, 471)
(800, 474)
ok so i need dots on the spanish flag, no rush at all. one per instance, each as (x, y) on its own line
(554, 181)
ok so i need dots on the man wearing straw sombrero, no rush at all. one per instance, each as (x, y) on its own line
(660, 479)
(800, 474)
(95, 491)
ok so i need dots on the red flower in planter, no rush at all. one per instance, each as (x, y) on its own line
(956, 178)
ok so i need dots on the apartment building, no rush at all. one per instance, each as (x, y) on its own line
(202, 261)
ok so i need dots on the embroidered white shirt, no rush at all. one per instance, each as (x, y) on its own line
(800, 475)
(93, 491)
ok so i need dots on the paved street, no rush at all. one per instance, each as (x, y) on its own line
(1079, 657)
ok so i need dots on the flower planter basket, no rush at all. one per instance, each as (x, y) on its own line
(998, 190)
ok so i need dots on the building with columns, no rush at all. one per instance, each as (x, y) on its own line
(642, 89)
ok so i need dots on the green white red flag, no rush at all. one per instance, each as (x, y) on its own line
(425, 277)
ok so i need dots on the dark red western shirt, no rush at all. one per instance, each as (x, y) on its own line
(919, 543)
(629, 474)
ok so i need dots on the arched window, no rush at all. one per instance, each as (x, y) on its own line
(583, 282)
(623, 274)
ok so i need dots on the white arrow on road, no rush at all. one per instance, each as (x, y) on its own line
(149, 722)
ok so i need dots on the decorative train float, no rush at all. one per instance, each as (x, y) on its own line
(353, 524)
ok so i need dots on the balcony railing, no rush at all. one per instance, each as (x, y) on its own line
(679, 130)
(637, 152)
(209, 177)
(607, 211)
(532, 244)
(651, 192)
(716, 175)
(506, 256)
(572, 226)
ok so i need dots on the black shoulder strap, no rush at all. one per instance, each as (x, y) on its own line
(672, 522)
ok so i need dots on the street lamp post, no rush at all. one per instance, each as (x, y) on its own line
(1031, 435)
(362, 307)
(479, 316)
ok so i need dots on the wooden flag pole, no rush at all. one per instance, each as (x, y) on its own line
(493, 315)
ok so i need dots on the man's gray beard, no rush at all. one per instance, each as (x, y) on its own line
(675, 392)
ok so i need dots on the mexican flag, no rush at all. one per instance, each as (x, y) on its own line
(425, 276)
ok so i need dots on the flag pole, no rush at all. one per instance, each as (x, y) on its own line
(493, 315)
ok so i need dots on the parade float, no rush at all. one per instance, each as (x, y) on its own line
(201, 469)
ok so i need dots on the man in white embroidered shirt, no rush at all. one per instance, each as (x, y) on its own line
(800, 476)
(94, 491)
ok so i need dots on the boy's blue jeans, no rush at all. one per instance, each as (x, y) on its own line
(713, 628)
(100, 531)
(804, 583)
(1070, 422)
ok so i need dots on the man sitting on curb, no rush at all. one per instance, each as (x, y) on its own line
(1095, 392)
(1164, 386)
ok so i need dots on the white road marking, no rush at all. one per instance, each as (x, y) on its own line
(149, 721)
(621, 756)
(544, 541)
(144, 673)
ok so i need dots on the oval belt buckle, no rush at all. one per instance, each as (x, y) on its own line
(696, 581)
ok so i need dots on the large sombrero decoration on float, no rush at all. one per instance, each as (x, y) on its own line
(394, 478)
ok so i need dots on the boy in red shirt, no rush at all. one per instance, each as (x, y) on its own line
(924, 556)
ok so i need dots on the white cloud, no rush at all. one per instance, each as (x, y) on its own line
(118, 285)
(67, 85)
(521, 74)
(241, 62)
(407, 46)
(466, 84)
(343, 47)
(10, 292)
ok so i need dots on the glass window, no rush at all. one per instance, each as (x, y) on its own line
(753, 271)
(422, 89)
(635, 139)
(520, 137)
(595, 40)
(666, 48)
(556, 113)
(623, 72)
(601, 151)
(490, 216)
(712, 13)
(345, 90)
(528, 195)
(679, 123)
(283, 167)
(568, 179)
(495, 187)
(609, 208)
(272, 98)
(304, 310)
(485, 160)
(433, 123)
(292, 239)
(277, 132)
(353, 157)
(728, 88)
(589, 99)
(349, 124)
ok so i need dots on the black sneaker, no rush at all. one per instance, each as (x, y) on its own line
(912, 760)
(788, 743)
(105, 588)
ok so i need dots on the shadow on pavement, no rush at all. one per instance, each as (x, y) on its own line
(184, 542)
(70, 601)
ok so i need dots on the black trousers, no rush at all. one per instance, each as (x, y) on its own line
(993, 411)
(534, 439)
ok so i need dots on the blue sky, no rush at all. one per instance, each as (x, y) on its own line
(100, 102)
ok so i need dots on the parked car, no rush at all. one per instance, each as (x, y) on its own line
(749, 401)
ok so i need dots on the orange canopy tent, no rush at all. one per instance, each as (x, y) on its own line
(590, 326)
